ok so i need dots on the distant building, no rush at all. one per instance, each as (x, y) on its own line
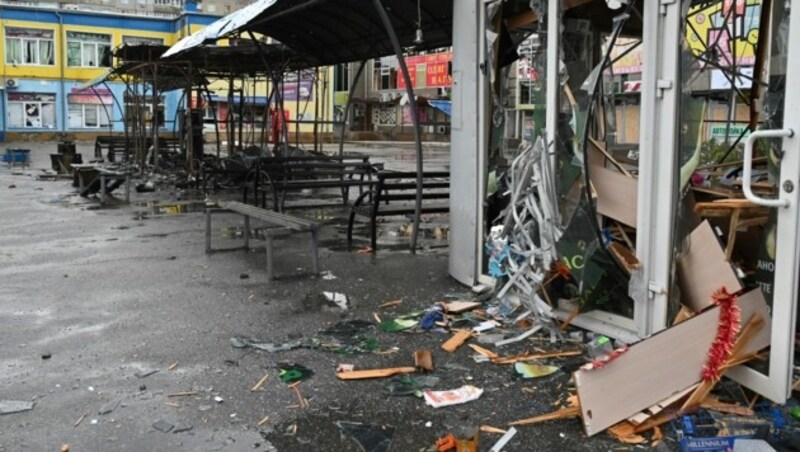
(51, 50)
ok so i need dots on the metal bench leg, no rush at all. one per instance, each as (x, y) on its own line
(208, 231)
(246, 231)
(373, 232)
(270, 268)
(315, 252)
(102, 189)
(350, 222)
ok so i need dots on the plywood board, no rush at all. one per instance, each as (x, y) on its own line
(616, 194)
(702, 269)
(658, 367)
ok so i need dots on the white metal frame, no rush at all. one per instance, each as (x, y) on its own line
(657, 200)
(777, 386)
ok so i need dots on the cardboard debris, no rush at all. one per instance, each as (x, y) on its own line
(657, 367)
(464, 394)
(457, 340)
(702, 269)
(375, 373)
(459, 306)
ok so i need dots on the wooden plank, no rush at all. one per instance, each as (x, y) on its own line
(597, 146)
(423, 360)
(457, 340)
(563, 413)
(375, 373)
(624, 256)
(702, 269)
(658, 367)
(459, 306)
(616, 194)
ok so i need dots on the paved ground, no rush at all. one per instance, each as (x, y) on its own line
(109, 293)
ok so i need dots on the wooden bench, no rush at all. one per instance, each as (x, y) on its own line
(118, 146)
(282, 175)
(395, 194)
(282, 225)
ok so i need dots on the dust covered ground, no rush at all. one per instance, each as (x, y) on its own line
(113, 293)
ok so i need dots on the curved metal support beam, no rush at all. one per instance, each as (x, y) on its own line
(387, 24)
(349, 104)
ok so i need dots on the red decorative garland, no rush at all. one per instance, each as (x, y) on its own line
(730, 316)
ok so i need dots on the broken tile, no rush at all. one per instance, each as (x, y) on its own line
(163, 426)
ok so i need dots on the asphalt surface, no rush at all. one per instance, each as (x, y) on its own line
(115, 292)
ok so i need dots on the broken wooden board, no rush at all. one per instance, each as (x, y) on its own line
(702, 269)
(423, 360)
(616, 194)
(625, 257)
(459, 306)
(658, 367)
(457, 340)
(375, 373)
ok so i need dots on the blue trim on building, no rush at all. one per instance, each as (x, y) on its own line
(109, 20)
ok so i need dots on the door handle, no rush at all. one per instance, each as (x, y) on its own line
(748, 167)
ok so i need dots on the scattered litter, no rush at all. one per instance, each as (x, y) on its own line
(218, 399)
(432, 316)
(338, 299)
(80, 419)
(173, 405)
(260, 383)
(485, 326)
(464, 394)
(204, 408)
(145, 373)
(182, 394)
(173, 366)
(291, 373)
(90, 388)
(263, 421)
(459, 306)
(429, 424)
(407, 386)
(501, 443)
(423, 360)
(14, 406)
(490, 338)
(109, 407)
(271, 347)
(520, 337)
(93, 422)
(244, 276)
(371, 437)
(534, 370)
(374, 373)
(490, 429)
(180, 428)
(47, 355)
(457, 340)
(303, 401)
(345, 368)
(398, 324)
(65, 448)
(328, 275)
(163, 426)
(390, 303)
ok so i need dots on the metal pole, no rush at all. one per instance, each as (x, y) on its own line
(297, 112)
(155, 117)
(387, 24)
(347, 106)
(278, 91)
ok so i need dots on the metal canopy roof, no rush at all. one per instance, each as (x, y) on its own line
(333, 31)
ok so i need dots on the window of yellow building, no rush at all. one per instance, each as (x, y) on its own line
(141, 40)
(29, 46)
(88, 49)
(31, 110)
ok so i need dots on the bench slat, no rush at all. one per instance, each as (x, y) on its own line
(294, 223)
